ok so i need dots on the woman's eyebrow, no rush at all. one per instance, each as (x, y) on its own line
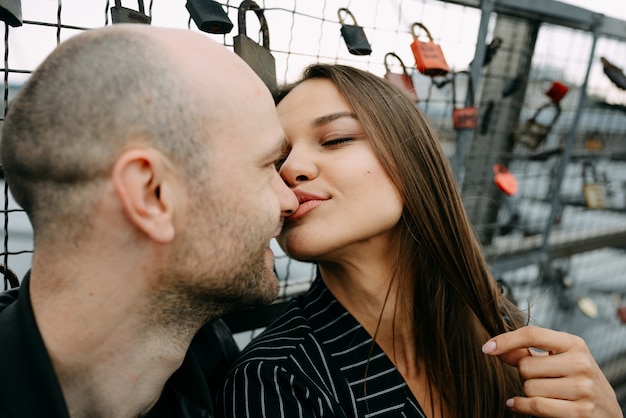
(323, 120)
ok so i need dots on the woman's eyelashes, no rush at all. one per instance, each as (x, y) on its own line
(337, 141)
(324, 143)
(280, 161)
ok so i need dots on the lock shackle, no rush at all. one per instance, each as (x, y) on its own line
(546, 106)
(347, 12)
(592, 170)
(469, 99)
(423, 27)
(394, 55)
(9, 276)
(499, 168)
(241, 19)
(118, 5)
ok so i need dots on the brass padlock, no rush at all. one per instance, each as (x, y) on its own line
(593, 142)
(593, 191)
(533, 133)
(121, 14)
(354, 35)
(11, 12)
(256, 56)
(209, 16)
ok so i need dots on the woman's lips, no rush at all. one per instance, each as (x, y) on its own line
(308, 202)
(304, 208)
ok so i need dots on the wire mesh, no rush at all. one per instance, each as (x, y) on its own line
(559, 240)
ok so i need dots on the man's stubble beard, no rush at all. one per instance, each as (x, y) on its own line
(188, 294)
(217, 265)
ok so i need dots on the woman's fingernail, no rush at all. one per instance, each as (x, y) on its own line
(510, 402)
(489, 347)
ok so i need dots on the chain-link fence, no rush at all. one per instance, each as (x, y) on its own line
(549, 110)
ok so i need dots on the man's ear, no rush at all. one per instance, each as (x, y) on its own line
(145, 188)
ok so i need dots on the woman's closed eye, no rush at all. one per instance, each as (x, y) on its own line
(337, 141)
(278, 163)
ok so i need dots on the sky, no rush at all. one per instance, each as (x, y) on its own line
(313, 33)
(31, 44)
(613, 8)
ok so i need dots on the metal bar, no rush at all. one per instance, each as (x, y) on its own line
(568, 146)
(464, 137)
(562, 244)
(556, 12)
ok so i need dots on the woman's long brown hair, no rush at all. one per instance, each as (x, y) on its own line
(456, 305)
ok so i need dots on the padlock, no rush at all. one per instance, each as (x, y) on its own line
(429, 58)
(402, 81)
(614, 73)
(209, 16)
(593, 191)
(588, 307)
(11, 12)
(533, 133)
(593, 142)
(465, 117)
(121, 14)
(258, 57)
(504, 179)
(354, 35)
(621, 313)
(557, 91)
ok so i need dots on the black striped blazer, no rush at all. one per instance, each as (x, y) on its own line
(315, 360)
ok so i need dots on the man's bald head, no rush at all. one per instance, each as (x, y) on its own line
(107, 90)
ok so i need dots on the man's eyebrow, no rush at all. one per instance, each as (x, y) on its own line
(323, 120)
(277, 150)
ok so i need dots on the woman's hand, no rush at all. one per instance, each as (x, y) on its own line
(561, 378)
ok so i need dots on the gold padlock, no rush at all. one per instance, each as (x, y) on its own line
(593, 192)
(593, 142)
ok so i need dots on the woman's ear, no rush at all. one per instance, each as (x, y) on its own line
(145, 188)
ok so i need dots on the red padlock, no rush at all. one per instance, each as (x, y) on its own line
(621, 314)
(465, 117)
(504, 179)
(429, 58)
(403, 80)
(557, 91)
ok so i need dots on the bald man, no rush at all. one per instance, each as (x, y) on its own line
(144, 158)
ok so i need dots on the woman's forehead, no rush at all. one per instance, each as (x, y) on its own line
(313, 96)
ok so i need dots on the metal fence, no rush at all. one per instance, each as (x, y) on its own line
(551, 111)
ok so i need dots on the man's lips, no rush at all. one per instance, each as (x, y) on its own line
(308, 202)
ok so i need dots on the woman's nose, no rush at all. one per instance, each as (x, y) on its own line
(297, 169)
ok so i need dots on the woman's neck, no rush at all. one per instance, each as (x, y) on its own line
(368, 289)
(378, 301)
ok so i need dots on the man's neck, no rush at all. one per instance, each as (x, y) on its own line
(110, 356)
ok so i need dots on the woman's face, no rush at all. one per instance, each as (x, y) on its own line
(347, 200)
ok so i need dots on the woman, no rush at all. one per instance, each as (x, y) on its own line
(394, 323)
